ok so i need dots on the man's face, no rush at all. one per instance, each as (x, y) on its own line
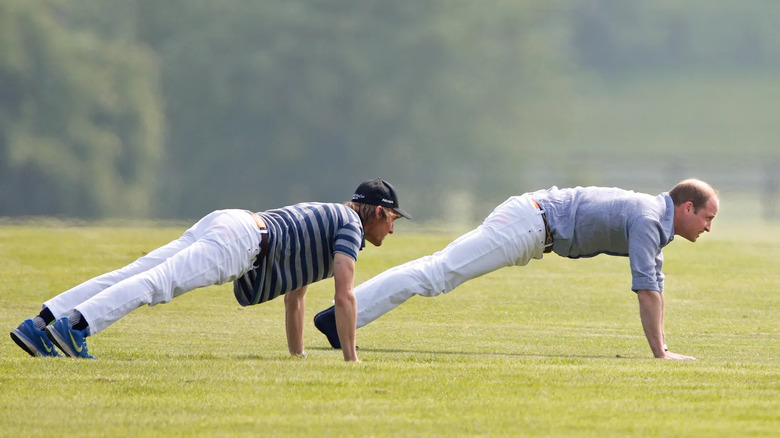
(689, 224)
(377, 230)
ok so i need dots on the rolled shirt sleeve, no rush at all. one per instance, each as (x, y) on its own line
(645, 254)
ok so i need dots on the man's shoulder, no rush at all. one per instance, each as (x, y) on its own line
(339, 213)
(312, 211)
(313, 206)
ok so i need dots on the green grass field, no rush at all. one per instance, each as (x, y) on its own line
(552, 349)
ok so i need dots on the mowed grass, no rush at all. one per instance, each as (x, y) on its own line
(551, 349)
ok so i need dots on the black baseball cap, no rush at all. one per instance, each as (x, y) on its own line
(378, 192)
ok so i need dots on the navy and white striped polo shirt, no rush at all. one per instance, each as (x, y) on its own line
(302, 240)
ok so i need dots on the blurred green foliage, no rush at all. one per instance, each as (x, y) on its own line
(81, 117)
(174, 108)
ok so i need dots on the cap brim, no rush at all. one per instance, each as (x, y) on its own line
(402, 213)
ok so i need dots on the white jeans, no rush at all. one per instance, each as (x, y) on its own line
(512, 234)
(219, 248)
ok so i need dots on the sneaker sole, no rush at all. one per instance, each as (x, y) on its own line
(25, 345)
(62, 344)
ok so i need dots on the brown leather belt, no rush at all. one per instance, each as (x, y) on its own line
(263, 238)
(548, 238)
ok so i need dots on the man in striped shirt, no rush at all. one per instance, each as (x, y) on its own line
(267, 254)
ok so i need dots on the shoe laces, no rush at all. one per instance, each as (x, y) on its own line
(83, 342)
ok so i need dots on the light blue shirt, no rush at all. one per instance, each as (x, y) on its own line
(588, 221)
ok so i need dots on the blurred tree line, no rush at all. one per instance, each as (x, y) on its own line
(173, 108)
(81, 117)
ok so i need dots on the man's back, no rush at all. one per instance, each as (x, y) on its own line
(302, 239)
(587, 221)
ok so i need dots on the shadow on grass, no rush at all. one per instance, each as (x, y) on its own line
(484, 353)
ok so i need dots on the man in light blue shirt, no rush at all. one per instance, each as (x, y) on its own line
(576, 222)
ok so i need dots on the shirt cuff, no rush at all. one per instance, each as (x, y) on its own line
(646, 284)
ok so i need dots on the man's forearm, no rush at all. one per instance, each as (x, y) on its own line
(651, 312)
(294, 308)
(346, 316)
(345, 304)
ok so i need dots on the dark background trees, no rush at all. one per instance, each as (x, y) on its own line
(170, 109)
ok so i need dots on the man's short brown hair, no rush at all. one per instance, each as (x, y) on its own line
(694, 190)
(366, 212)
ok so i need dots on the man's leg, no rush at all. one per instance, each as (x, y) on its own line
(30, 334)
(63, 303)
(511, 235)
(226, 245)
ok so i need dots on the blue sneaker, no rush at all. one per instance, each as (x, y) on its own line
(33, 341)
(72, 342)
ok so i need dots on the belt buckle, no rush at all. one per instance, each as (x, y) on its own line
(548, 238)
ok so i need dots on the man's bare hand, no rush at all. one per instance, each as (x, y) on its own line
(674, 356)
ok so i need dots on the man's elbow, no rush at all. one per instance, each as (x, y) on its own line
(345, 300)
(648, 296)
(290, 301)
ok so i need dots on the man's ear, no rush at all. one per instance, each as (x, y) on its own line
(378, 212)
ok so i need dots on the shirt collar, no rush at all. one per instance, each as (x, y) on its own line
(667, 223)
